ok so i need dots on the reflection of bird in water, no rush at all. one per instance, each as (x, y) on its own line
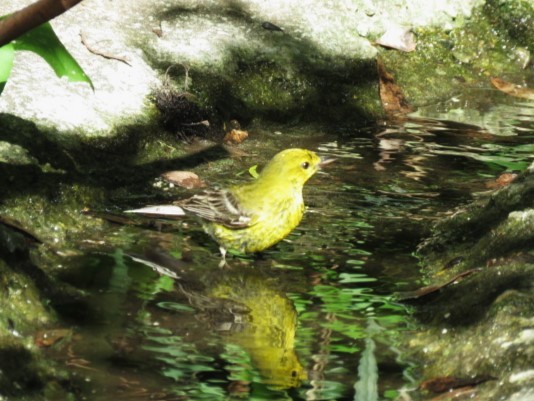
(254, 216)
(267, 331)
(250, 312)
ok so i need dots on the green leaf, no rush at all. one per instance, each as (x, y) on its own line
(253, 171)
(391, 394)
(7, 54)
(44, 42)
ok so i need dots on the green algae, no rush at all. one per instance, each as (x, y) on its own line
(21, 304)
(270, 89)
(448, 62)
(24, 309)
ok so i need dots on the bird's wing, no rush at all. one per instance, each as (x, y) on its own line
(219, 206)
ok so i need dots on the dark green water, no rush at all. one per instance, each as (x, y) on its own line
(313, 317)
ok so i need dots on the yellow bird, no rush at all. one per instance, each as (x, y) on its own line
(254, 216)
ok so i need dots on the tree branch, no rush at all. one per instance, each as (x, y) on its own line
(31, 17)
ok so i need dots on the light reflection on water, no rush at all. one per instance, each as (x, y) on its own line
(312, 318)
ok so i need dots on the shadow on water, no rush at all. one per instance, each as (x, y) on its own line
(313, 317)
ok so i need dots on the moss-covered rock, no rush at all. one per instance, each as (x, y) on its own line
(23, 310)
(483, 325)
(322, 59)
(492, 227)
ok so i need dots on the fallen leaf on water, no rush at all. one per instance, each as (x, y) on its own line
(391, 96)
(502, 181)
(399, 38)
(184, 179)
(235, 136)
(447, 383)
(424, 291)
(512, 89)
(47, 338)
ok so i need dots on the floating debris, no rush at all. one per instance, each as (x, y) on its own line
(184, 179)
(235, 136)
(512, 89)
(503, 180)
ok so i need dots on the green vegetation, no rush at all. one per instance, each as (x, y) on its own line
(44, 42)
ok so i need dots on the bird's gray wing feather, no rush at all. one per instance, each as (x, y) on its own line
(219, 206)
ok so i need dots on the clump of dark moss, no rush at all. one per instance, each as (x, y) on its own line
(180, 113)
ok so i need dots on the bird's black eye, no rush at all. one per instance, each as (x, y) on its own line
(305, 165)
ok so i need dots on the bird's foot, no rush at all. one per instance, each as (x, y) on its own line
(223, 263)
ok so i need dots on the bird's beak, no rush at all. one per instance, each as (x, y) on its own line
(326, 161)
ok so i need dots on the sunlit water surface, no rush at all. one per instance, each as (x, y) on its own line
(312, 318)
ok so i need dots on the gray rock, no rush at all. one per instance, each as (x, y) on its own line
(215, 39)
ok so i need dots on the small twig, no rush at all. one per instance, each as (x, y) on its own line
(186, 78)
(101, 53)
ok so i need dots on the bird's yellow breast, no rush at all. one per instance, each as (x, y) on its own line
(274, 217)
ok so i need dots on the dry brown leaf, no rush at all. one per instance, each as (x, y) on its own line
(47, 338)
(391, 96)
(512, 89)
(399, 38)
(184, 179)
(235, 136)
(502, 181)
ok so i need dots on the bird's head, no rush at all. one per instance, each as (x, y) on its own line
(293, 165)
